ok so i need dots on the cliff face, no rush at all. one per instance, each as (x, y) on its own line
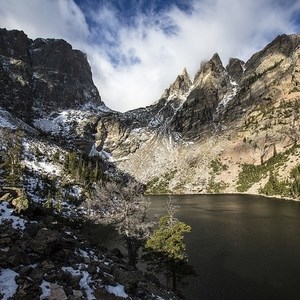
(43, 75)
(269, 74)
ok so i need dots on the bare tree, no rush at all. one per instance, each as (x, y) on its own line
(125, 208)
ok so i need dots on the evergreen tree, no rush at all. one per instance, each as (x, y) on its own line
(166, 250)
(13, 157)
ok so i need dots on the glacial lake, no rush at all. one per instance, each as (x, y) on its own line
(241, 246)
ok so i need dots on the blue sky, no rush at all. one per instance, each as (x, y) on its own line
(136, 48)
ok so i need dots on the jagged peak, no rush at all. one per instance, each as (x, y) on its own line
(235, 68)
(185, 73)
(216, 59)
(180, 86)
(213, 65)
(184, 77)
(284, 42)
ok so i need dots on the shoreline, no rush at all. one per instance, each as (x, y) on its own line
(275, 197)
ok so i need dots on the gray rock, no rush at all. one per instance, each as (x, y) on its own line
(57, 292)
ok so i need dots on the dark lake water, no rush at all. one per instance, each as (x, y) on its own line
(241, 246)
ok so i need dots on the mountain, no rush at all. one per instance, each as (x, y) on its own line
(37, 74)
(206, 134)
(203, 135)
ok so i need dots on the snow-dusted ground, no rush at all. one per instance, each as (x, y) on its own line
(6, 214)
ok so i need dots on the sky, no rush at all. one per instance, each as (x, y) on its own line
(137, 48)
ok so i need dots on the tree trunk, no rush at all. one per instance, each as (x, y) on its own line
(174, 280)
(131, 252)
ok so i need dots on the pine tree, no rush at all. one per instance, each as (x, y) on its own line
(13, 157)
(166, 247)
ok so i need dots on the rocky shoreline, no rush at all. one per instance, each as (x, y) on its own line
(43, 256)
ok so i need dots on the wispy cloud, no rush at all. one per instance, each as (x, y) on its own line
(137, 51)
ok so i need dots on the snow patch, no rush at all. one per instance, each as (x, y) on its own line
(4, 122)
(117, 290)
(6, 214)
(47, 125)
(8, 285)
(84, 283)
(83, 253)
(46, 291)
(64, 122)
(7, 121)
(42, 167)
(227, 98)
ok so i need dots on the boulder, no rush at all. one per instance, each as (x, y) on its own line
(57, 292)
(46, 242)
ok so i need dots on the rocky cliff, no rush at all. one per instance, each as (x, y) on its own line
(202, 133)
(43, 75)
(47, 84)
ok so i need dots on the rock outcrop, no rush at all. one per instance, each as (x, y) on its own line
(41, 76)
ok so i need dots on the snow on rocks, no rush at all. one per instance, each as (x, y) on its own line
(85, 280)
(5, 121)
(117, 290)
(39, 157)
(43, 167)
(6, 214)
(64, 123)
(11, 122)
(8, 285)
(46, 291)
(61, 264)
(228, 97)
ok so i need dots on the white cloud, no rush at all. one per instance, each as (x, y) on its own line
(146, 59)
(45, 18)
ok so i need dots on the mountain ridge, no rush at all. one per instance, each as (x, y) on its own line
(222, 103)
(234, 115)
